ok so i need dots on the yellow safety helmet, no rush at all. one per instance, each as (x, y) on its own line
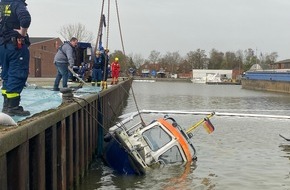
(116, 59)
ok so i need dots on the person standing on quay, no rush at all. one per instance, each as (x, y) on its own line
(64, 58)
(97, 69)
(115, 67)
(15, 20)
(105, 68)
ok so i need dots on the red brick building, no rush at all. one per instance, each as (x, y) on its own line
(284, 64)
(42, 52)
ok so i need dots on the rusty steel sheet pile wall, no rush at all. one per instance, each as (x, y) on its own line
(265, 85)
(53, 150)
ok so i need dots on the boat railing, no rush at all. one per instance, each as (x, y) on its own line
(134, 126)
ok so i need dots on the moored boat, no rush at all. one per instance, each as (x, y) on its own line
(138, 148)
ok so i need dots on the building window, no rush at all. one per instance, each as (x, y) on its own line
(43, 47)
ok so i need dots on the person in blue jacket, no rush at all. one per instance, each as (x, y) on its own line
(15, 20)
(97, 69)
(106, 67)
(82, 70)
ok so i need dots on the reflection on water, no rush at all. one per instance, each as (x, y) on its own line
(179, 178)
(242, 153)
(286, 149)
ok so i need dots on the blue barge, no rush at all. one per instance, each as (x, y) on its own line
(273, 75)
(267, 80)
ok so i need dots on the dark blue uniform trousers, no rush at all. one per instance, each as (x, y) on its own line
(15, 68)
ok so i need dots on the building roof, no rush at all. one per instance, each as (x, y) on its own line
(287, 61)
(34, 40)
(256, 67)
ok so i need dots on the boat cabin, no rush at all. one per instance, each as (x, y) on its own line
(160, 143)
(166, 143)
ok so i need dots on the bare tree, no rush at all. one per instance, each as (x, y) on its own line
(240, 58)
(172, 60)
(77, 30)
(198, 59)
(230, 61)
(271, 58)
(250, 58)
(137, 59)
(216, 59)
(154, 56)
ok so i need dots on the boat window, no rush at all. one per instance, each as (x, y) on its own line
(156, 137)
(172, 155)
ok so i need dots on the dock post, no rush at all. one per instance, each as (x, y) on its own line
(67, 95)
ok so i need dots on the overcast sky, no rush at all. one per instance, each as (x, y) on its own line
(174, 25)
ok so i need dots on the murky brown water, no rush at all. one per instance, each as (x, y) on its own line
(242, 152)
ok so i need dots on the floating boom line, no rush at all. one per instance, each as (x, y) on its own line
(206, 113)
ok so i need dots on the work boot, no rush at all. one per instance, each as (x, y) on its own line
(14, 108)
(55, 89)
(5, 103)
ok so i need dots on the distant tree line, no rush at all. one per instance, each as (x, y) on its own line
(173, 62)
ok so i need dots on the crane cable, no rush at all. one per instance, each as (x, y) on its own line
(100, 26)
(104, 82)
(120, 30)
(122, 42)
(108, 25)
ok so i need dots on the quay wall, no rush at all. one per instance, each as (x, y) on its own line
(266, 85)
(53, 149)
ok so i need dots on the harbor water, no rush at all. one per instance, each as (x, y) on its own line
(242, 153)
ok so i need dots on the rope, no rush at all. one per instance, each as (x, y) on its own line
(101, 124)
(100, 26)
(100, 131)
(135, 101)
(121, 36)
(122, 42)
(96, 119)
(108, 24)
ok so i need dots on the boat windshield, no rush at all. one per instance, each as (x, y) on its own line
(156, 137)
(172, 155)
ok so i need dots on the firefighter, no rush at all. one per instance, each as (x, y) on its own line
(115, 67)
(14, 53)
